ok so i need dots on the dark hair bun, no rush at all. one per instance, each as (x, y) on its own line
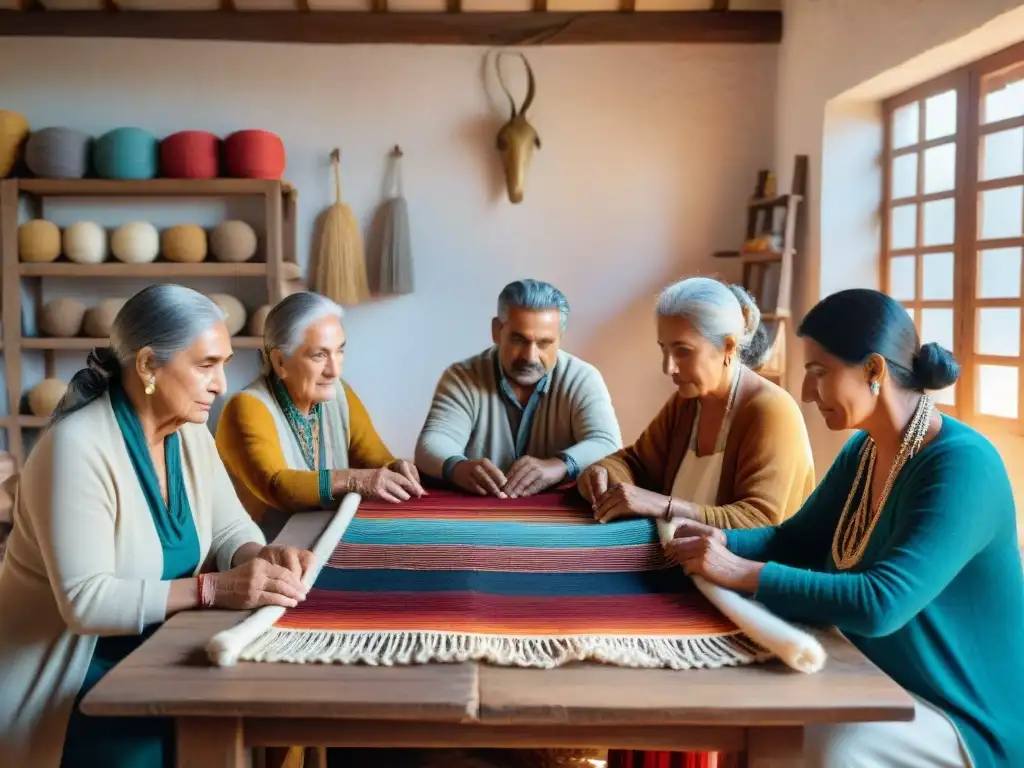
(935, 367)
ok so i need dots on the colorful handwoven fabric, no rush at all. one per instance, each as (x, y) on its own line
(530, 582)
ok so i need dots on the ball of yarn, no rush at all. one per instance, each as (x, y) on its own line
(62, 317)
(58, 153)
(99, 320)
(38, 240)
(126, 153)
(45, 395)
(254, 154)
(291, 271)
(185, 243)
(13, 134)
(190, 155)
(233, 241)
(136, 242)
(85, 242)
(259, 319)
(233, 308)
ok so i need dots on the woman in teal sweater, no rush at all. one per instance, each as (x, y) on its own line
(908, 546)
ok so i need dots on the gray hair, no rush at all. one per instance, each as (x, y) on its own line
(718, 310)
(534, 295)
(287, 322)
(166, 318)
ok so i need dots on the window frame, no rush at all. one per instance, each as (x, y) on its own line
(968, 83)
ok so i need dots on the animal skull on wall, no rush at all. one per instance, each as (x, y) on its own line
(517, 138)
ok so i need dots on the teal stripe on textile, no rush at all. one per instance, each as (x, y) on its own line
(501, 534)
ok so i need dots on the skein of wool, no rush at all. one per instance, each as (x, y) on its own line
(341, 263)
(396, 244)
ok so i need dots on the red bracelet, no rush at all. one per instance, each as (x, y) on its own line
(204, 597)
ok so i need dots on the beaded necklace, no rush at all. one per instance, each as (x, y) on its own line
(854, 531)
(307, 429)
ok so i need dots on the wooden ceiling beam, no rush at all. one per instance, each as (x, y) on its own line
(339, 27)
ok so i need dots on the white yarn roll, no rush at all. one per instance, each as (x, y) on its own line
(226, 646)
(796, 648)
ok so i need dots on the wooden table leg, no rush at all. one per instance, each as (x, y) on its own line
(209, 742)
(781, 747)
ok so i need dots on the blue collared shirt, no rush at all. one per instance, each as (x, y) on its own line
(520, 421)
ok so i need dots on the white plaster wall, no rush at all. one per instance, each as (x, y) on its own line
(649, 153)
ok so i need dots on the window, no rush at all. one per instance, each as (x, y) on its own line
(953, 229)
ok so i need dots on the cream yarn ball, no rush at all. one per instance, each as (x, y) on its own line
(45, 395)
(99, 320)
(136, 242)
(62, 317)
(259, 319)
(85, 242)
(233, 308)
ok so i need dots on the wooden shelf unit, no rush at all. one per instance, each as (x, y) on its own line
(278, 238)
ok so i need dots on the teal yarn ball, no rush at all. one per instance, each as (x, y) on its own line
(126, 153)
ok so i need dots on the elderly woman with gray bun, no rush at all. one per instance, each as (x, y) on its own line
(298, 437)
(125, 515)
(729, 448)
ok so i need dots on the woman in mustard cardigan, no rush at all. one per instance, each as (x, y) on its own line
(298, 438)
(729, 449)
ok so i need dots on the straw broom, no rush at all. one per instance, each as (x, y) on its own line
(341, 266)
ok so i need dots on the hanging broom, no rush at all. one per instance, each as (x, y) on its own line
(341, 263)
(396, 246)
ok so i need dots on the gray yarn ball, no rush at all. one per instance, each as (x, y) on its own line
(58, 153)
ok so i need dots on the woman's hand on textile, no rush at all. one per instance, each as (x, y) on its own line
(529, 475)
(384, 484)
(688, 529)
(479, 476)
(593, 484)
(408, 470)
(708, 556)
(625, 500)
(255, 583)
(297, 561)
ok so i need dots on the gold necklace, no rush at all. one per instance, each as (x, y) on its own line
(854, 532)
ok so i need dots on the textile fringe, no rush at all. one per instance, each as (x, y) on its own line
(391, 648)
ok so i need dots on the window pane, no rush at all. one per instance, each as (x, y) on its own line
(940, 168)
(1001, 211)
(997, 390)
(1003, 154)
(937, 277)
(906, 125)
(1004, 102)
(913, 314)
(904, 227)
(945, 396)
(937, 326)
(939, 217)
(904, 175)
(902, 271)
(999, 331)
(999, 273)
(940, 116)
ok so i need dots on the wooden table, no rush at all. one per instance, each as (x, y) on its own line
(220, 712)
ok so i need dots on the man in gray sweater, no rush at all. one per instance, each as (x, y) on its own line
(523, 415)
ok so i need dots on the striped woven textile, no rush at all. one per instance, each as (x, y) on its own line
(530, 582)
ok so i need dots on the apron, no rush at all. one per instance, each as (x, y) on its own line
(697, 478)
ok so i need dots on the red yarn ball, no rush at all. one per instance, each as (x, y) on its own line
(254, 154)
(190, 155)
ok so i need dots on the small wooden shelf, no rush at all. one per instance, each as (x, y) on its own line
(156, 269)
(149, 187)
(85, 343)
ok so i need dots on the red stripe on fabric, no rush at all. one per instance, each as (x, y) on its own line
(560, 506)
(426, 557)
(642, 615)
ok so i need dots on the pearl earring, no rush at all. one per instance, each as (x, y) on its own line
(875, 388)
(151, 385)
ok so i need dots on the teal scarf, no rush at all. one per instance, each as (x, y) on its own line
(173, 521)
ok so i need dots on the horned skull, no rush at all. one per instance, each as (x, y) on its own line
(517, 138)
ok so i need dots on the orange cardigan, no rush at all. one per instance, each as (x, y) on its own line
(767, 470)
(248, 444)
